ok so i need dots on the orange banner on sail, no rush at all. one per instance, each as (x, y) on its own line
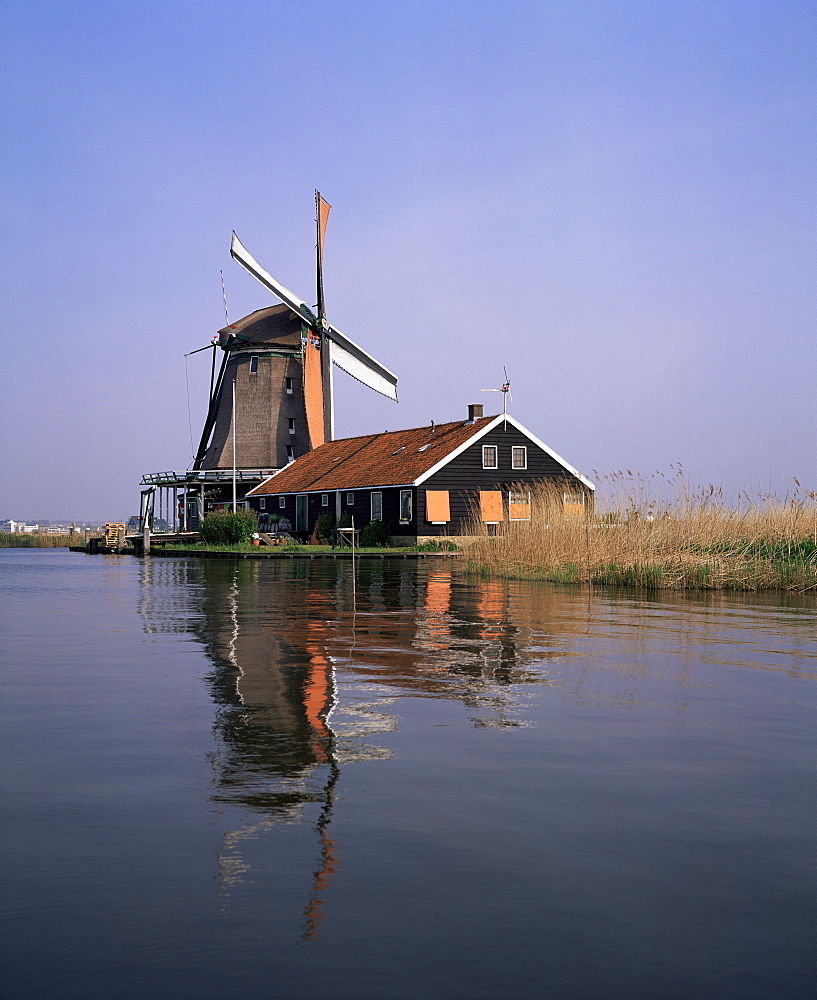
(323, 215)
(313, 393)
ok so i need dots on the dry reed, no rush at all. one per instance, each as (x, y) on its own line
(35, 540)
(657, 533)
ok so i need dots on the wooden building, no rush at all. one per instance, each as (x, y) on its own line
(422, 483)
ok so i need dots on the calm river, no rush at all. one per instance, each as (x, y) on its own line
(252, 779)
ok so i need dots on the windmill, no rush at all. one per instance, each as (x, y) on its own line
(505, 390)
(280, 359)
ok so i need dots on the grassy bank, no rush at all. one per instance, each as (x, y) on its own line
(37, 541)
(312, 549)
(677, 539)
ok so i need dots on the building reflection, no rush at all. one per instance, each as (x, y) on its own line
(307, 669)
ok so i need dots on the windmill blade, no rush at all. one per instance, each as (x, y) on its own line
(209, 423)
(346, 354)
(240, 253)
(198, 349)
(322, 211)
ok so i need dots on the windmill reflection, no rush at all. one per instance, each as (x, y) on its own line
(276, 691)
(280, 633)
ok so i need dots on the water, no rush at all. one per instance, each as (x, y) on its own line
(240, 779)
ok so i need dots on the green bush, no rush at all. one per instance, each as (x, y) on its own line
(325, 529)
(374, 535)
(226, 527)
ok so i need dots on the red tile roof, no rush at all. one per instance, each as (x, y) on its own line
(394, 458)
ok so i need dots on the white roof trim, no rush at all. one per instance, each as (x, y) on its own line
(499, 419)
(265, 481)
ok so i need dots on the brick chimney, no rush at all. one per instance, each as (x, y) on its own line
(474, 412)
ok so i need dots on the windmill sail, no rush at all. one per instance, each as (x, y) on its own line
(212, 412)
(323, 208)
(314, 395)
(346, 354)
(323, 345)
(240, 253)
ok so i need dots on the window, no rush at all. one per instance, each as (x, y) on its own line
(350, 499)
(262, 503)
(290, 453)
(377, 506)
(324, 499)
(253, 365)
(291, 424)
(574, 503)
(519, 506)
(489, 459)
(288, 382)
(519, 457)
(282, 502)
(405, 506)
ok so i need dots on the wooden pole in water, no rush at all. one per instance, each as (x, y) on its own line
(146, 538)
(120, 540)
(354, 592)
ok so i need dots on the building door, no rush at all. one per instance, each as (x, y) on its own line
(193, 512)
(302, 512)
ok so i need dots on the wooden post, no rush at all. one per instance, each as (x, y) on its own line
(234, 423)
(86, 538)
(354, 581)
(146, 539)
(120, 540)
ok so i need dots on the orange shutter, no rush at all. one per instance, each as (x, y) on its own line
(437, 506)
(490, 505)
(519, 512)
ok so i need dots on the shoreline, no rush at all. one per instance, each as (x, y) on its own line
(169, 553)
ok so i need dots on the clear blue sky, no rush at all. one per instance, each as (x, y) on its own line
(616, 200)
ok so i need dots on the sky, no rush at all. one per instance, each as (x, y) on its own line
(613, 200)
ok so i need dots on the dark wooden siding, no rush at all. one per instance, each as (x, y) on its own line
(272, 505)
(360, 509)
(464, 477)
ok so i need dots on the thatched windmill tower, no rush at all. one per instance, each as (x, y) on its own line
(277, 368)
